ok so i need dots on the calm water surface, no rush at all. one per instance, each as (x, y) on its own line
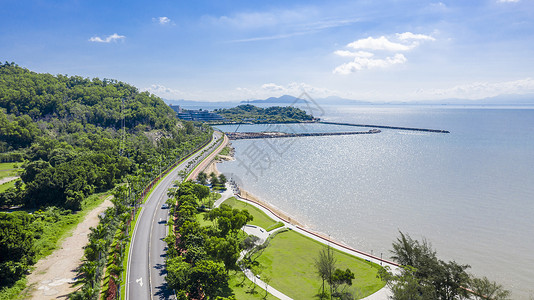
(470, 192)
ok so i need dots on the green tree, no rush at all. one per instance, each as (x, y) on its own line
(486, 289)
(210, 278)
(340, 277)
(16, 246)
(325, 266)
(202, 178)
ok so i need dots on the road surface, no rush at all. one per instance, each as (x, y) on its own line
(145, 276)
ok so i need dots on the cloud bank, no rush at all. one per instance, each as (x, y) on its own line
(108, 39)
(363, 58)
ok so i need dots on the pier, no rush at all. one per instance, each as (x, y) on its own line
(386, 127)
(270, 135)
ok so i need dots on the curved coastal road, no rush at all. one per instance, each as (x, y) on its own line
(145, 276)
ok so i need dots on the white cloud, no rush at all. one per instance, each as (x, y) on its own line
(381, 43)
(272, 87)
(165, 92)
(363, 60)
(361, 63)
(346, 53)
(412, 36)
(479, 90)
(508, 1)
(276, 90)
(108, 39)
(163, 21)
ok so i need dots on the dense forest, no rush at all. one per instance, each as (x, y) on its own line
(254, 114)
(76, 136)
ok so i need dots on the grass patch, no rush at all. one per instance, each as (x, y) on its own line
(10, 169)
(54, 233)
(15, 291)
(225, 151)
(242, 287)
(7, 185)
(260, 218)
(10, 165)
(289, 261)
(273, 227)
(216, 196)
(201, 221)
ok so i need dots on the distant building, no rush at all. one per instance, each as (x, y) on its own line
(196, 115)
(176, 108)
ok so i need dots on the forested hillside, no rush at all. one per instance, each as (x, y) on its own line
(76, 136)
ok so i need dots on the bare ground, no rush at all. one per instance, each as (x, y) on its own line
(54, 275)
(8, 179)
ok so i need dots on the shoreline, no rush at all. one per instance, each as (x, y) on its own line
(286, 218)
(212, 167)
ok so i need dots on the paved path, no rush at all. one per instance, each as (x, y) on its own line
(8, 179)
(204, 163)
(146, 273)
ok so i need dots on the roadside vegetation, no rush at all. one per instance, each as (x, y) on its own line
(248, 113)
(74, 137)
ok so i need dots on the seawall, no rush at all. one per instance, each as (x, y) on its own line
(386, 127)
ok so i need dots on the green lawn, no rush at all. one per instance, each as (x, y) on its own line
(11, 165)
(201, 221)
(5, 186)
(9, 169)
(260, 218)
(242, 288)
(289, 261)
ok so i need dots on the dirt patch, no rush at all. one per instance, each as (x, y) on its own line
(212, 167)
(8, 179)
(53, 275)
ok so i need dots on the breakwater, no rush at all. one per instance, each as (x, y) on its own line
(386, 127)
(270, 135)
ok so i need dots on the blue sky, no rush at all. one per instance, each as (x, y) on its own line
(237, 50)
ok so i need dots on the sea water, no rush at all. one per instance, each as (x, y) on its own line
(470, 192)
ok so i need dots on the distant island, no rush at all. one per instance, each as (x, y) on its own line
(248, 113)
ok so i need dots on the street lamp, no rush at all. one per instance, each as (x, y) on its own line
(380, 258)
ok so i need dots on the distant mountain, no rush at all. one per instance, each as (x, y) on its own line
(335, 100)
(285, 99)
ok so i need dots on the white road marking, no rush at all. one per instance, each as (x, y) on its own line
(140, 281)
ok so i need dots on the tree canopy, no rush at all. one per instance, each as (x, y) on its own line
(274, 114)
